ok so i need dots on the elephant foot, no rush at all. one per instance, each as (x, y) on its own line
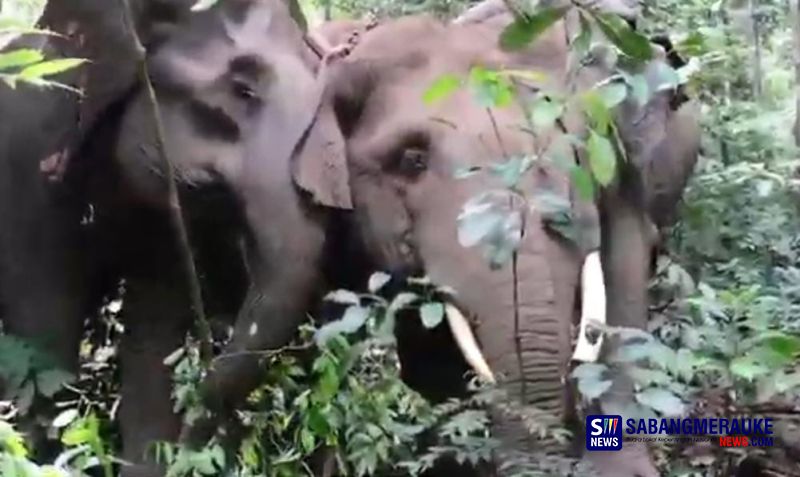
(632, 461)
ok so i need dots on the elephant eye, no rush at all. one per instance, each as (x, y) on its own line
(414, 161)
(242, 90)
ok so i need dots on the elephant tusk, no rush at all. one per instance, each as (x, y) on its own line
(593, 312)
(467, 343)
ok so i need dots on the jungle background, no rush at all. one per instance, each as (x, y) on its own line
(725, 314)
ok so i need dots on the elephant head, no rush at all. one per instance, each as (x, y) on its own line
(239, 98)
(402, 158)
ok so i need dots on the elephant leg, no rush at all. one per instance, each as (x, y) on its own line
(286, 276)
(157, 314)
(44, 291)
(42, 261)
(626, 246)
(156, 320)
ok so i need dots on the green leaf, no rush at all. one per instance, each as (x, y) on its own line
(785, 345)
(343, 297)
(747, 368)
(431, 314)
(512, 170)
(629, 41)
(640, 90)
(76, 435)
(613, 93)
(526, 28)
(19, 58)
(328, 383)
(662, 401)
(645, 377)
(593, 388)
(377, 281)
(666, 76)
(596, 110)
(65, 418)
(684, 364)
(491, 89)
(693, 45)
(49, 68)
(201, 5)
(589, 371)
(602, 158)
(307, 440)
(48, 382)
(353, 319)
(442, 88)
(582, 181)
(478, 223)
(545, 111)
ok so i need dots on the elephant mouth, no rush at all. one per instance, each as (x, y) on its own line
(593, 317)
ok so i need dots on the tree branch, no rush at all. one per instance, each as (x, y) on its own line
(176, 212)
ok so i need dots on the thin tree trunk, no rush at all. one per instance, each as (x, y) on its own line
(794, 17)
(328, 10)
(757, 74)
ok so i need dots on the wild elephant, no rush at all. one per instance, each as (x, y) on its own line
(661, 139)
(236, 85)
(259, 164)
(47, 278)
(402, 155)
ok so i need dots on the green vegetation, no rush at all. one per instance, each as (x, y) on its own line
(724, 334)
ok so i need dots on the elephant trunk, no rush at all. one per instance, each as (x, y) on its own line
(524, 331)
(627, 237)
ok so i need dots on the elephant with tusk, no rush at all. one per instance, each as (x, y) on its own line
(511, 323)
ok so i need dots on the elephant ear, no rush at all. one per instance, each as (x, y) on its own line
(320, 161)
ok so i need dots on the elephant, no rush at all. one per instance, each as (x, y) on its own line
(240, 129)
(260, 167)
(401, 158)
(47, 279)
(402, 154)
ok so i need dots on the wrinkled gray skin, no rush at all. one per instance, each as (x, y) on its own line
(402, 155)
(46, 277)
(236, 87)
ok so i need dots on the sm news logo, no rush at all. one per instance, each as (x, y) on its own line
(603, 433)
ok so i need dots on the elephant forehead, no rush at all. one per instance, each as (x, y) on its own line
(209, 42)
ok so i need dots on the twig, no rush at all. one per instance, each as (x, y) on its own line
(176, 212)
(265, 353)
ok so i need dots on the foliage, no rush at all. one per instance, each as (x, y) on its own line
(26, 372)
(84, 450)
(346, 406)
(494, 219)
(26, 65)
(724, 334)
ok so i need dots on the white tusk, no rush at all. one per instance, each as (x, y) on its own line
(467, 343)
(593, 312)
